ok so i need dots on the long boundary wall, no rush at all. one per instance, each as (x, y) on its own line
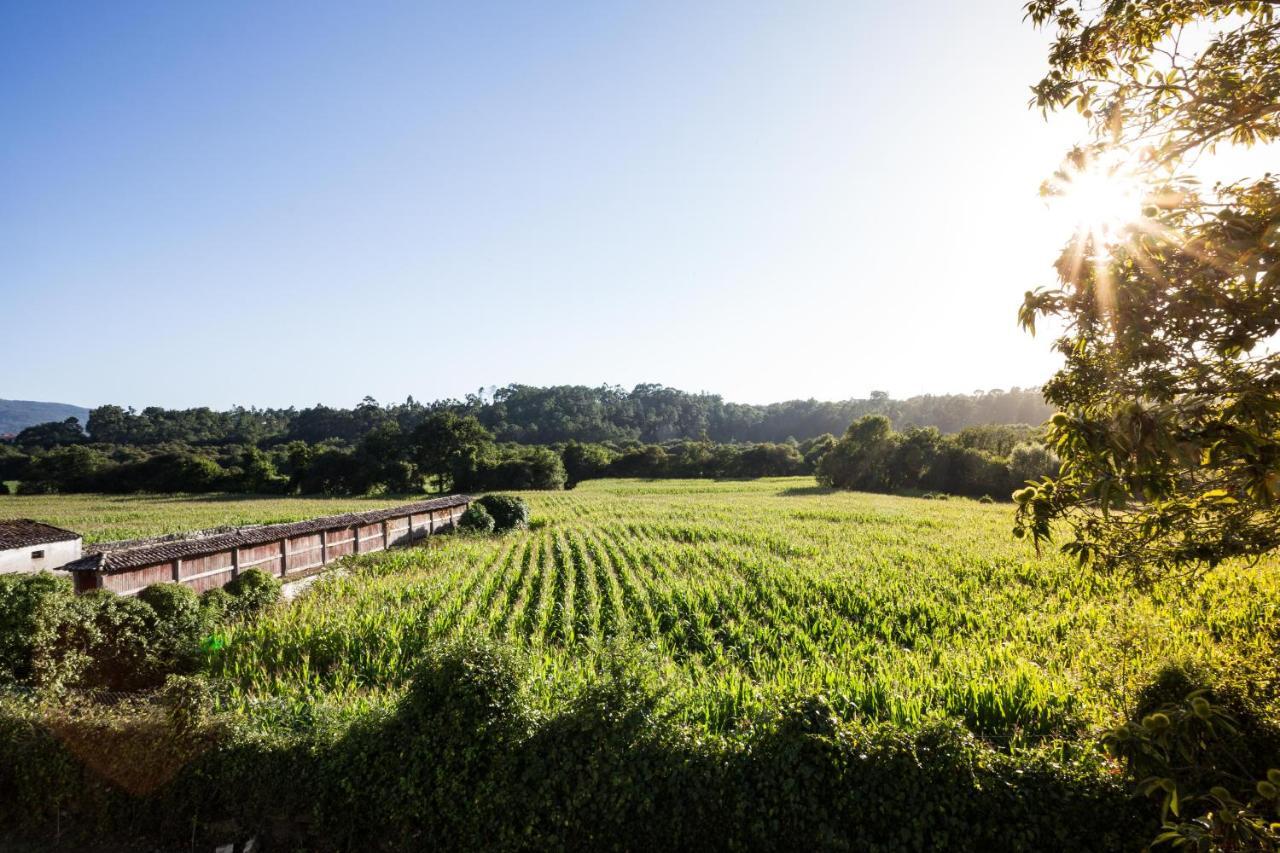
(284, 550)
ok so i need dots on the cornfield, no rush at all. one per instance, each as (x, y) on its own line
(736, 596)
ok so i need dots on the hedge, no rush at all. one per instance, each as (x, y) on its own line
(463, 761)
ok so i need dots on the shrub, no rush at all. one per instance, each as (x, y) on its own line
(465, 725)
(476, 519)
(217, 604)
(121, 657)
(251, 593)
(177, 624)
(43, 631)
(509, 513)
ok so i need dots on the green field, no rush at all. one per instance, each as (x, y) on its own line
(740, 595)
(652, 665)
(102, 518)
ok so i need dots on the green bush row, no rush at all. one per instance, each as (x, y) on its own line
(465, 762)
(51, 638)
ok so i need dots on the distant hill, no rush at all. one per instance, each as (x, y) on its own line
(17, 415)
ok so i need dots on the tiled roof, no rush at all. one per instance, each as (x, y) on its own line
(23, 533)
(134, 554)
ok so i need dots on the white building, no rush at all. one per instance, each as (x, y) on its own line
(29, 546)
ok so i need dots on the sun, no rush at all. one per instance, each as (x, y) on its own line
(1097, 199)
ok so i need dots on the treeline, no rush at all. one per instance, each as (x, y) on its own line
(980, 462)
(567, 434)
(651, 414)
(447, 451)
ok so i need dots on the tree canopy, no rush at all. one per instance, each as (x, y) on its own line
(1169, 421)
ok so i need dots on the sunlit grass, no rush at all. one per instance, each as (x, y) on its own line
(740, 595)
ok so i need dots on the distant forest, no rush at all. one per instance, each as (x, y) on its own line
(523, 437)
(532, 415)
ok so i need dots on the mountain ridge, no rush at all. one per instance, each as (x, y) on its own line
(17, 415)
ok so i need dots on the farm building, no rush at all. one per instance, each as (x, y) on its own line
(29, 546)
(288, 551)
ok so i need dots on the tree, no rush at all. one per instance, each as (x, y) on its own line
(450, 447)
(860, 459)
(1169, 421)
(51, 434)
(585, 462)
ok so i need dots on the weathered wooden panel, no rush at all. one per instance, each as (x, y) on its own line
(85, 581)
(194, 566)
(135, 579)
(304, 553)
(265, 558)
(371, 538)
(281, 557)
(341, 542)
(210, 581)
(421, 524)
(398, 531)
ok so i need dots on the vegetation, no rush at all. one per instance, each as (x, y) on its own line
(871, 457)
(52, 639)
(729, 662)
(1169, 429)
(530, 415)
(455, 452)
(1170, 425)
(508, 512)
(476, 519)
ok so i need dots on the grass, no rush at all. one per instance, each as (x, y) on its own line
(740, 595)
(103, 518)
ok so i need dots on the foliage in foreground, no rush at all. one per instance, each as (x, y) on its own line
(1170, 394)
(715, 659)
(464, 760)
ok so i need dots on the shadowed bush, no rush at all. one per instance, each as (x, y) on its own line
(464, 761)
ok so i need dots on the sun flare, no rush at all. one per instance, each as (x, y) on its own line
(1097, 200)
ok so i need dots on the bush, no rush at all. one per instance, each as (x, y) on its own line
(122, 656)
(799, 779)
(476, 519)
(217, 605)
(509, 513)
(176, 627)
(44, 634)
(52, 638)
(251, 593)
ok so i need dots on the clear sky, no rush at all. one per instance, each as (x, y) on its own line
(291, 203)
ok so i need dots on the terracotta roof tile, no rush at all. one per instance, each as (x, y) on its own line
(23, 533)
(135, 553)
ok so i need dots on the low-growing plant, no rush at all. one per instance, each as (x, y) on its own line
(177, 625)
(217, 605)
(252, 593)
(476, 519)
(509, 512)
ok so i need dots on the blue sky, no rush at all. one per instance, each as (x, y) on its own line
(290, 203)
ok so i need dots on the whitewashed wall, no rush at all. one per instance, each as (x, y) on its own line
(56, 555)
